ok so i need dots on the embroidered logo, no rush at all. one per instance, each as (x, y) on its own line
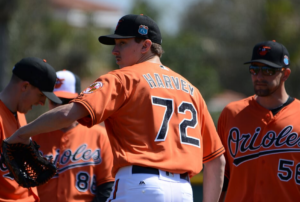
(286, 60)
(142, 182)
(93, 87)
(143, 30)
(59, 82)
(263, 50)
(121, 20)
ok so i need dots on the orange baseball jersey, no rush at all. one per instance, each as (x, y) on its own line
(154, 118)
(10, 190)
(85, 162)
(262, 151)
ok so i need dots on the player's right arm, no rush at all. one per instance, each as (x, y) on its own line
(221, 131)
(222, 197)
(57, 118)
(213, 178)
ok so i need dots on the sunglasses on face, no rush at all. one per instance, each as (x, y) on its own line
(266, 70)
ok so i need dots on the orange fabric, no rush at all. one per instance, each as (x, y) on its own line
(85, 161)
(65, 94)
(9, 188)
(134, 101)
(261, 151)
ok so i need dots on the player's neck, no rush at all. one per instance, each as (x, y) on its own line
(9, 97)
(150, 57)
(273, 101)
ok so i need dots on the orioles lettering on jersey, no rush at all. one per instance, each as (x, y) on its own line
(82, 156)
(3, 168)
(240, 143)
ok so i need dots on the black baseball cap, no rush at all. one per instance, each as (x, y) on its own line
(38, 73)
(130, 26)
(270, 53)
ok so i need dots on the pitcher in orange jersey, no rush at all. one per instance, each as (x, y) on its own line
(158, 124)
(32, 82)
(261, 134)
(84, 154)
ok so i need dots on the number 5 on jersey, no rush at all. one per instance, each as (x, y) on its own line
(168, 104)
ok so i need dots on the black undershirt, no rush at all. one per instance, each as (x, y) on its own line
(289, 101)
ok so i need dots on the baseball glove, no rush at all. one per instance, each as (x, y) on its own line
(27, 165)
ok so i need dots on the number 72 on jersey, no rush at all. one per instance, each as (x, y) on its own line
(168, 104)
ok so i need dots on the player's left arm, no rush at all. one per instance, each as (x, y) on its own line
(57, 118)
(213, 176)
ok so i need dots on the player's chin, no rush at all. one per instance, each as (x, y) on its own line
(24, 111)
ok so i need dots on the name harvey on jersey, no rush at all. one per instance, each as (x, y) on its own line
(169, 82)
(82, 156)
(284, 141)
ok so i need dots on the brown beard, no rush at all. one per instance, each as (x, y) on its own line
(265, 92)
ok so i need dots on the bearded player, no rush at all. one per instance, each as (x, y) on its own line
(261, 133)
(158, 124)
(84, 155)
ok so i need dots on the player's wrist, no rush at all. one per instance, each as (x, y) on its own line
(17, 138)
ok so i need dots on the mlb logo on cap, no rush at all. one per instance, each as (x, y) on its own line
(143, 30)
(67, 85)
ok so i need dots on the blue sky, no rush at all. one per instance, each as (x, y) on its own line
(172, 8)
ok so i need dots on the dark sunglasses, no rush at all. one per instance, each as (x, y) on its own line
(266, 70)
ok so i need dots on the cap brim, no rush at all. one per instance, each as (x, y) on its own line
(110, 39)
(51, 96)
(65, 94)
(266, 62)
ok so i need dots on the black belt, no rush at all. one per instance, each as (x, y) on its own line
(147, 170)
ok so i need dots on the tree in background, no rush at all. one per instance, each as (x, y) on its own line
(229, 29)
(7, 9)
(183, 52)
(35, 30)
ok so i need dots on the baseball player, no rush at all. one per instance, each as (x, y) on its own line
(158, 124)
(32, 81)
(84, 155)
(261, 133)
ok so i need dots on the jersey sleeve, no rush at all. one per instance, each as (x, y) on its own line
(221, 130)
(101, 99)
(103, 170)
(212, 146)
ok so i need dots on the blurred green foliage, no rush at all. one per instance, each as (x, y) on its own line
(215, 38)
(35, 29)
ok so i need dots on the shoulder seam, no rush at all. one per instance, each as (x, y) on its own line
(120, 80)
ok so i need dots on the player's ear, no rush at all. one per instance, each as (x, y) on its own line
(286, 74)
(24, 85)
(146, 45)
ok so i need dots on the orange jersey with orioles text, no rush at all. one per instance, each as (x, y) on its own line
(10, 190)
(85, 162)
(154, 118)
(262, 151)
